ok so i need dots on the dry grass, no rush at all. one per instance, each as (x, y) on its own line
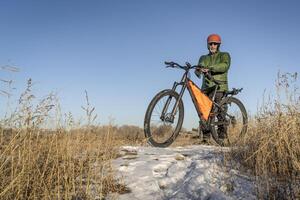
(187, 138)
(57, 165)
(271, 148)
(69, 161)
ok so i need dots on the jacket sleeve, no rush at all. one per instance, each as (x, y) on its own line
(201, 61)
(223, 66)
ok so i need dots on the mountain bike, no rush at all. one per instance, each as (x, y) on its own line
(165, 113)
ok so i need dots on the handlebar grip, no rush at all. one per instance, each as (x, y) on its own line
(168, 63)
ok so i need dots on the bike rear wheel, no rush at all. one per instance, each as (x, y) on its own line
(161, 129)
(232, 120)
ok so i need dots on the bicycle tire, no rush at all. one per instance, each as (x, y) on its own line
(241, 107)
(149, 133)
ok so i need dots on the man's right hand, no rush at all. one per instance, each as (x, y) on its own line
(202, 69)
(198, 71)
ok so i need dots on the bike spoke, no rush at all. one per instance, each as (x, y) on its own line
(162, 130)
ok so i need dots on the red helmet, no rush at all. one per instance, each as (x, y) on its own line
(214, 38)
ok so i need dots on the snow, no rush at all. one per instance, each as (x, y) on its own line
(193, 172)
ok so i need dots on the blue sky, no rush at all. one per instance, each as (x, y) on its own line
(115, 49)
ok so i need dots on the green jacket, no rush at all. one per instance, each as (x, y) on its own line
(218, 64)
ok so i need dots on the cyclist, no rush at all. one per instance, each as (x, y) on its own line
(216, 63)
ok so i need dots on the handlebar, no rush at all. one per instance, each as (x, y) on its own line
(208, 75)
(188, 67)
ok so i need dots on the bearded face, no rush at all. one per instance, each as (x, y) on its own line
(213, 47)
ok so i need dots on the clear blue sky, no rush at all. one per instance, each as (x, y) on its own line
(115, 49)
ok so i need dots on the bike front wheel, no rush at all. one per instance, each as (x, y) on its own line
(230, 122)
(161, 127)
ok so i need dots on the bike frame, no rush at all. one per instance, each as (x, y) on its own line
(184, 83)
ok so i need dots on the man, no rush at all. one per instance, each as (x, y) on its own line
(216, 63)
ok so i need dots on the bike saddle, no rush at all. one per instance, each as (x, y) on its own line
(234, 91)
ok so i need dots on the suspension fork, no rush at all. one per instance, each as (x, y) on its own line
(183, 82)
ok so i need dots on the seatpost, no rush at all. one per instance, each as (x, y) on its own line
(213, 98)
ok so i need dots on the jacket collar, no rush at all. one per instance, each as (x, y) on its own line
(210, 54)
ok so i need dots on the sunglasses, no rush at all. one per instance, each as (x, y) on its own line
(213, 43)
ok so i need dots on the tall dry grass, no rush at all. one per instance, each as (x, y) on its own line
(68, 161)
(271, 148)
(56, 165)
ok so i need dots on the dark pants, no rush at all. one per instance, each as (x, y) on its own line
(220, 117)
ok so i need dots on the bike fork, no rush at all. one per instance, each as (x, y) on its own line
(171, 119)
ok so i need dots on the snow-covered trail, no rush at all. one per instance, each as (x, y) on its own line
(193, 172)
